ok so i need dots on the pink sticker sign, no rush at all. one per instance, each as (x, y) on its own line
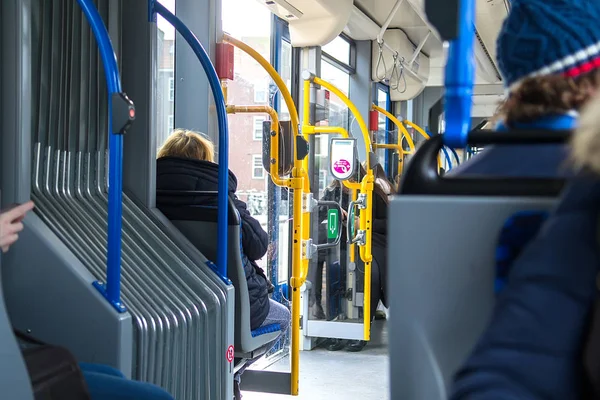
(341, 166)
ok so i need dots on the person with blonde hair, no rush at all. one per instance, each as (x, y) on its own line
(186, 162)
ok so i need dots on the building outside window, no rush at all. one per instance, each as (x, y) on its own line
(171, 89)
(261, 92)
(258, 127)
(258, 172)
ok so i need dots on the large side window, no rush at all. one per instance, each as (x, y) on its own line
(337, 63)
(249, 87)
(165, 90)
(384, 132)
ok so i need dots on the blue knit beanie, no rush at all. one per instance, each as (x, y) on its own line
(542, 37)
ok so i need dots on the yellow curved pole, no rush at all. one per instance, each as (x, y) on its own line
(366, 188)
(274, 147)
(398, 124)
(285, 93)
(299, 184)
(359, 119)
(425, 135)
(328, 130)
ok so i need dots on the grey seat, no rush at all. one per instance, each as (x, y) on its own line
(441, 300)
(442, 289)
(14, 379)
(199, 225)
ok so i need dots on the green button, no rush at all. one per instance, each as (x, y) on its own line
(333, 218)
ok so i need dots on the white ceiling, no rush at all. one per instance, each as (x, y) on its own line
(406, 19)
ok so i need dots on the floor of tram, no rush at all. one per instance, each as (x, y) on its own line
(340, 375)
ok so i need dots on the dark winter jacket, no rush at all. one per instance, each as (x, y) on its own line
(532, 348)
(174, 173)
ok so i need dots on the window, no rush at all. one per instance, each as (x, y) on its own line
(383, 135)
(171, 89)
(286, 75)
(165, 79)
(261, 94)
(340, 50)
(338, 112)
(258, 172)
(171, 123)
(258, 127)
(322, 180)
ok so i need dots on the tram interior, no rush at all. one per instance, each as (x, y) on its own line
(54, 150)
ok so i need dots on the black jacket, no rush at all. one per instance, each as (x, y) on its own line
(173, 173)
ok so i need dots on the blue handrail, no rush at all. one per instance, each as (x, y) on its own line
(112, 291)
(213, 79)
(448, 159)
(460, 74)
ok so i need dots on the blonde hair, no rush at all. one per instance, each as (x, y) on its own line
(586, 140)
(188, 144)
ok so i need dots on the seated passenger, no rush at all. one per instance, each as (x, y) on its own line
(338, 192)
(532, 348)
(186, 162)
(103, 382)
(549, 64)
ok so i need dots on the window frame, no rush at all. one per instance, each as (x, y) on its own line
(256, 162)
(255, 119)
(348, 68)
(172, 89)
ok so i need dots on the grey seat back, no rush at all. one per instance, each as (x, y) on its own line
(14, 379)
(442, 286)
(199, 225)
(442, 290)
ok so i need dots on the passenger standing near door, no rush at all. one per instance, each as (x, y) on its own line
(338, 192)
(549, 55)
(186, 162)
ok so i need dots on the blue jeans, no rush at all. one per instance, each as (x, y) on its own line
(278, 314)
(107, 383)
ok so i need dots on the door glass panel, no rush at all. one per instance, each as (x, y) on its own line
(165, 91)
(339, 115)
(250, 87)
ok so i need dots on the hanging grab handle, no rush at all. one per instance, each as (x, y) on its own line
(121, 114)
(215, 86)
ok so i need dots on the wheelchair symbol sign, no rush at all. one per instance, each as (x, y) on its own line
(229, 354)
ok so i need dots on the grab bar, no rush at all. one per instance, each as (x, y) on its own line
(215, 86)
(121, 112)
